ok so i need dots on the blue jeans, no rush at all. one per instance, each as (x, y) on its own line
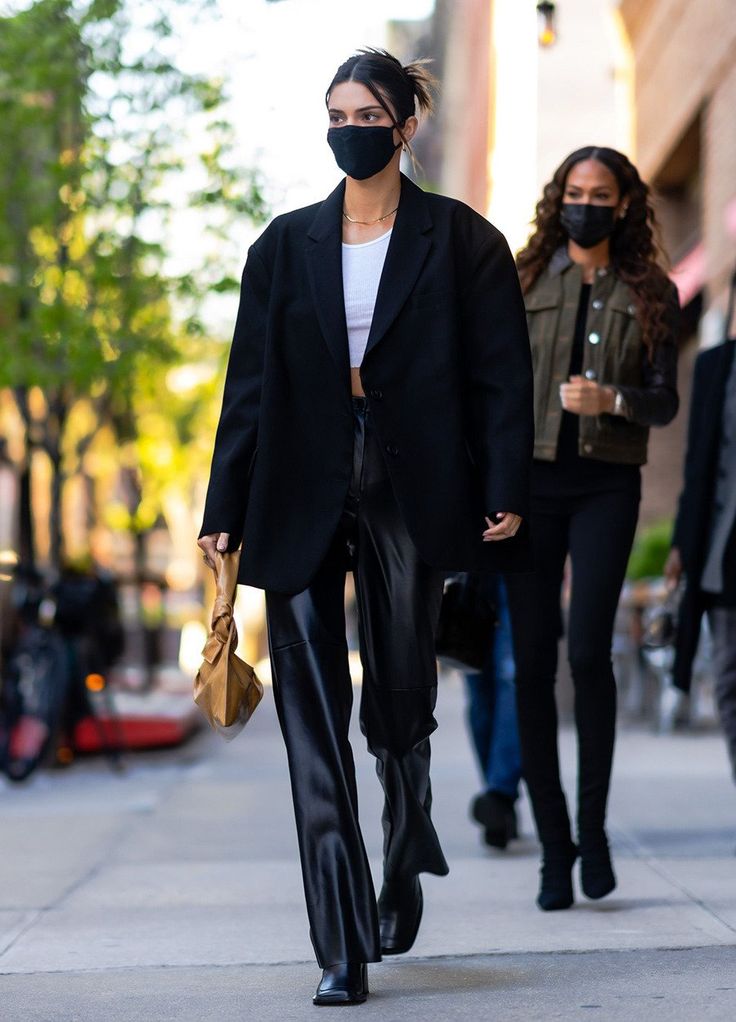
(492, 707)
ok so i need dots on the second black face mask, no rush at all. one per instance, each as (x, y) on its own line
(586, 224)
(362, 152)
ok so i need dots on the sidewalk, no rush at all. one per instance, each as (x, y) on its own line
(173, 892)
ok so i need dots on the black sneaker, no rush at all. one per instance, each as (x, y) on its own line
(496, 814)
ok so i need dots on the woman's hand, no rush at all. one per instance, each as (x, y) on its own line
(216, 542)
(584, 397)
(673, 569)
(505, 526)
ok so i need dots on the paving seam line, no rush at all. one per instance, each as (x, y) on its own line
(414, 959)
(657, 866)
(126, 829)
(34, 916)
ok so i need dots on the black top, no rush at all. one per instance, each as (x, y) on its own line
(569, 473)
(567, 443)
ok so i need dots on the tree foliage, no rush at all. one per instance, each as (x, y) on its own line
(101, 134)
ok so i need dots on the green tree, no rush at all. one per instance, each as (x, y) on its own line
(93, 109)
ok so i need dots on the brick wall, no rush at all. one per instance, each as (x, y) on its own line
(719, 180)
(465, 114)
(682, 49)
(685, 59)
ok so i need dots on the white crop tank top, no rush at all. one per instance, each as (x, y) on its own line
(362, 266)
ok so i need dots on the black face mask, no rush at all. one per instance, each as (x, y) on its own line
(362, 152)
(586, 224)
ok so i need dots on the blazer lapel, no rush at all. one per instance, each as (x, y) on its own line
(407, 250)
(324, 267)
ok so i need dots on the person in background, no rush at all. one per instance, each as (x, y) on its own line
(603, 320)
(494, 729)
(704, 538)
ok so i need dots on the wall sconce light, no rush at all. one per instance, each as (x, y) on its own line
(547, 15)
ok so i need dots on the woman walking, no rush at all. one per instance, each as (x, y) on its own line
(377, 418)
(602, 320)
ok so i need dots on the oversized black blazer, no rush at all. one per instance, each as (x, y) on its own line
(447, 374)
(695, 510)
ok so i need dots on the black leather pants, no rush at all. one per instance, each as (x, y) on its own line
(398, 598)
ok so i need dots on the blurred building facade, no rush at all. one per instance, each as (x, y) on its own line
(511, 110)
(684, 58)
(685, 72)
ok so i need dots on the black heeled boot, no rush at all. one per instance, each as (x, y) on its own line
(555, 890)
(344, 983)
(400, 907)
(596, 870)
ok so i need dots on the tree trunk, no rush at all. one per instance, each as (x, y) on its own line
(26, 539)
(56, 417)
(56, 537)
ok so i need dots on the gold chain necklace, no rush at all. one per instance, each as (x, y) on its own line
(369, 223)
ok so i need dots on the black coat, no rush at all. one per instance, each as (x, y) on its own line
(447, 374)
(695, 512)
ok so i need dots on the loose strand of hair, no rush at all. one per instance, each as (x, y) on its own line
(424, 82)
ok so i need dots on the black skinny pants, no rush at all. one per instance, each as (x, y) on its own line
(398, 598)
(597, 530)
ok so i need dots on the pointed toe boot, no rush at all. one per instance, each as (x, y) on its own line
(342, 984)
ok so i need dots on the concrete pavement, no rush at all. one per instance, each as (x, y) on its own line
(173, 891)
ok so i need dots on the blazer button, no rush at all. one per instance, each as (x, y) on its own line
(587, 448)
(597, 304)
(591, 374)
(594, 338)
(392, 449)
(376, 395)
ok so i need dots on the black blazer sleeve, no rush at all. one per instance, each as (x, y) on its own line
(499, 378)
(656, 402)
(694, 455)
(237, 433)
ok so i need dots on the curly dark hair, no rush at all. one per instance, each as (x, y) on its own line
(635, 253)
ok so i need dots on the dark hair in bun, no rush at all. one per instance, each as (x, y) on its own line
(402, 90)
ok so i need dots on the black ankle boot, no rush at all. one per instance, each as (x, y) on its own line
(344, 983)
(555, 890)
(400, 907)
(596, 870)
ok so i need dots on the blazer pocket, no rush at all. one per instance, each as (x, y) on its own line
(431, 300)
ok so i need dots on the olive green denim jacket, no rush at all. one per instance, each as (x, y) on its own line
(614, 355)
